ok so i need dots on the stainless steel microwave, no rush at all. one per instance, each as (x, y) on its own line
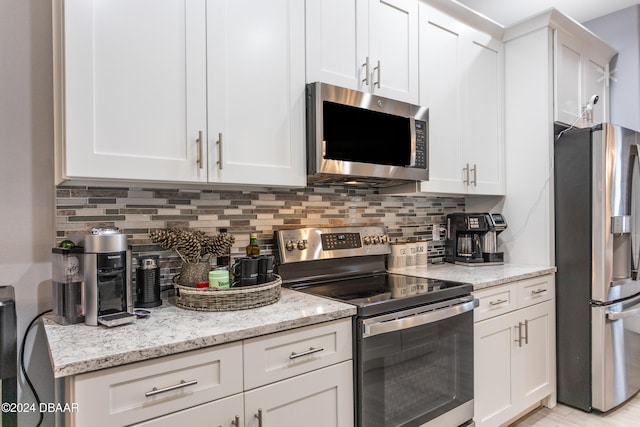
(356, 137)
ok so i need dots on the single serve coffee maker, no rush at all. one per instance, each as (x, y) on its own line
(472, 238)
(107, 296)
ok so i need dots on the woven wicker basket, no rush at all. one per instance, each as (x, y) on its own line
(228, 299)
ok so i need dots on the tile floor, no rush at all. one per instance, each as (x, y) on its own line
(625, 415)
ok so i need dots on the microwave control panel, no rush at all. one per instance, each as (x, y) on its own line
(421, 144)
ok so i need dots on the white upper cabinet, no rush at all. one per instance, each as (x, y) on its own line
(132, 100)
(461, 82)
(366, 45)
(581, 72)
(145, 88)
(256, 92)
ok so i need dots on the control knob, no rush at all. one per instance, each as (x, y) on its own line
(290, 245)
(366, 240)
(376, 240)
(302, 244)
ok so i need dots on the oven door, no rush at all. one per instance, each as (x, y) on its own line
(415, 367)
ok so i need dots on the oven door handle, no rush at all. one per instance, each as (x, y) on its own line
(401, 323)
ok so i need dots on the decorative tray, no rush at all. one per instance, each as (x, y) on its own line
(239, 298)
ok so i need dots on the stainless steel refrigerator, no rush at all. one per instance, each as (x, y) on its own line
(597, 226)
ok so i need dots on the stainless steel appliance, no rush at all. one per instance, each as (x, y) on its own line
(356, 137)
(107, 297)
(413, 337)
(472, 238)
(597, 221)
(67, 282)
(8, 355)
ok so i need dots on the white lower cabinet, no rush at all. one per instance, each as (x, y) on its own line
(514, 350)
(322, 398)
(298, 377)
(225, 412)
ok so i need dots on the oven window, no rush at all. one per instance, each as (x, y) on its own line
(409, 377)
(359, 135)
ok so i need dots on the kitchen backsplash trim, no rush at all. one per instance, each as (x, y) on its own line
(136, 211)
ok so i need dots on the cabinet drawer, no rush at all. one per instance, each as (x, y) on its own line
(144, 390)
(495, 301)
(535, 290)
(285, 354)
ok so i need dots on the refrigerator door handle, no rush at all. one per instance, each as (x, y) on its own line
(630, 308)
(635, 260)
(611, 315)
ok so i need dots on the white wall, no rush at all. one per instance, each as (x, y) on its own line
(622, 31)
(26, 177)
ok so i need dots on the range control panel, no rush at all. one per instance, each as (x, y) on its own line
(307, 244)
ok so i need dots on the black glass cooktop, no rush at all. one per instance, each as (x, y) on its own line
(385, 292)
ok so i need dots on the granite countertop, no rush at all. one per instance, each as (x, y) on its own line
(482, 276)
(75, 349)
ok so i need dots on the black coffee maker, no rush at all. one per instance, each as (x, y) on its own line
(472, 238)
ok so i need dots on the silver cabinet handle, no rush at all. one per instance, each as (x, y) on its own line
(219, 144)
(465, 172)
(366, 71)
(199, 161)
(181, 384)
(475, 175)
(377, 67)
(538, 291)
(305, 353)
(521, 337)
(498, 302)
(519, 328)
(236, 422)
(259, 417)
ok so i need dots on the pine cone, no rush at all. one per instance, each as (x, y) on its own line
(192, 245)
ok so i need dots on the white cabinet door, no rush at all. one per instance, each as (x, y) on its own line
(513, 363)
(393, 49)
(535, 369)
(223, 412)
(441, 39)
(461, 82)
(256, 92)
(366, 45)
(596, 82)
(569, 75)
(482, 137)
(336, 47)
(493, 357)
(134, 89)
(580, 74)
(322, 398)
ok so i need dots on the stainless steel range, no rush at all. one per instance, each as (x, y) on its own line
(413, 337)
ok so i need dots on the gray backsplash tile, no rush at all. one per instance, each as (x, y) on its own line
(138, 210)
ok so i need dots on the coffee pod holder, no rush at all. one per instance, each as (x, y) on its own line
(241, 298)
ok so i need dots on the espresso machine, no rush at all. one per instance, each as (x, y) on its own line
(472, 238)
(107, 296)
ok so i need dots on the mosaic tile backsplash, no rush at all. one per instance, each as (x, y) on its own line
(136, 211)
